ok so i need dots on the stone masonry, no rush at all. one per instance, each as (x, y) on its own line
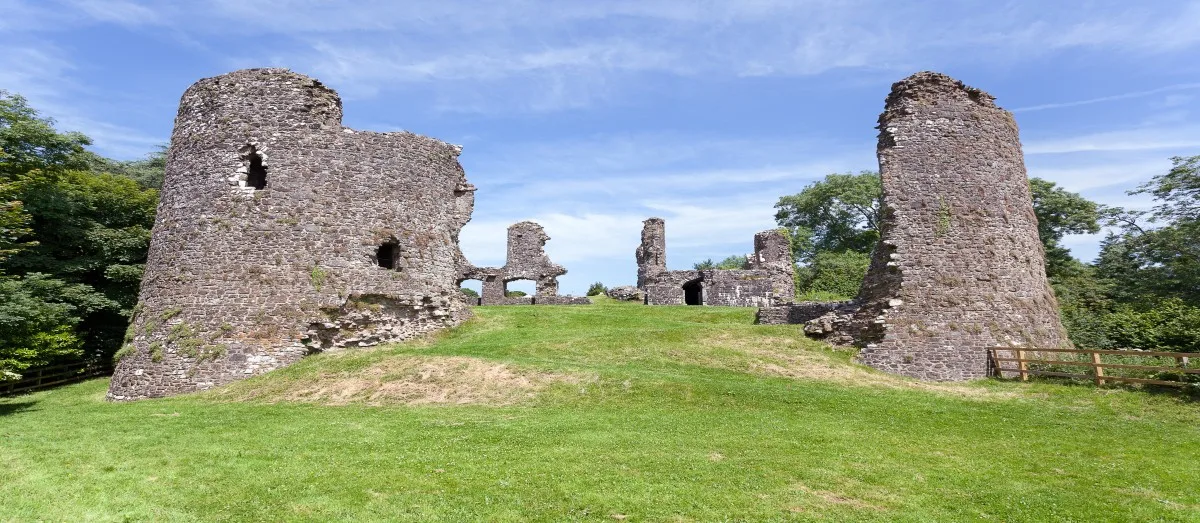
(769, 280)
(959, 267)
(527, 260)
(281, 233)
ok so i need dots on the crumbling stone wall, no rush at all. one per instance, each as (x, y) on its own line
(527, 260)
(959, 267)
(281, 233)
(768, 281)
(797, 313)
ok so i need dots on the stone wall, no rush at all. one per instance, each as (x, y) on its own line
(959, 267)
(769, 280)
(281, 233)
(527, 260)
(797, 313)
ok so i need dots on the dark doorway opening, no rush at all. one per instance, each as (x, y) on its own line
(693, 294)
(256, 175)
(388, 256)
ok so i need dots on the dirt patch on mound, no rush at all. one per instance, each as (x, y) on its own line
(781, 356)
(408, 380)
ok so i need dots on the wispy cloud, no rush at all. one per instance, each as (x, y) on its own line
(1180, 137)
(1112, 98)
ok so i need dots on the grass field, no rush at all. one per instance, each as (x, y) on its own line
(607, 413)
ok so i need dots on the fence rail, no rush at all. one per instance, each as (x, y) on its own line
(997, 356)
(46, 377)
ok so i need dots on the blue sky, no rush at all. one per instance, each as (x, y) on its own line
(590, 116)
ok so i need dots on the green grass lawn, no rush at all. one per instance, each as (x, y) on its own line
(607, 413)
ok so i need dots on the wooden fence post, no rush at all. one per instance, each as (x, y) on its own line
(1022, 365)
(1098, 367)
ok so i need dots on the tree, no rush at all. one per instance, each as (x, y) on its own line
(29, 142)
(14, 224)
(37, 323)
(840, 213)
(833, 275)
(470, 293)
(147, 172)
(1060, 212)
(731, 262)
(596, 289)
(74, 228)
(1157, 253)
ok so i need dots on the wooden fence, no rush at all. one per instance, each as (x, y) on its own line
(1093, 359)
(46, 377)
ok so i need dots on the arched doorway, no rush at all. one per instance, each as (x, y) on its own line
(693, 292)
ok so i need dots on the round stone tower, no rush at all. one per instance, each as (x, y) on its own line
(959, 267)
(281, 233)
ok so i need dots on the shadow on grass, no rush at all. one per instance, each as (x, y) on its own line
(13, 408)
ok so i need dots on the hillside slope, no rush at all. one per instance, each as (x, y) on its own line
(609, 412)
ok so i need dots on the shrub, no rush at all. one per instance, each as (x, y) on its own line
(1169, 325)
(597, 289)
(833, 274)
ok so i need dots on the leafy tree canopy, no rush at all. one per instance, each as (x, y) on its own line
(1157, 253)
(732, 262)
(73, 238)
(840, 213)
(1060, 212)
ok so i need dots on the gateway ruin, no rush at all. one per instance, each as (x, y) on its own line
(527, 260)
(768, 279)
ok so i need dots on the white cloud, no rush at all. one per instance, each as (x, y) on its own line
(1180, 137)
(121, 12)
(1086, 174)
(1170, 100)
(43, 76)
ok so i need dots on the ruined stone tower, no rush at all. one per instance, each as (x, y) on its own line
(959, 267)
(281, 233)
(651, 254)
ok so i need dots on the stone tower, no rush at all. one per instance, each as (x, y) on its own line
(281, 233)
(651, 254)
(959, 267)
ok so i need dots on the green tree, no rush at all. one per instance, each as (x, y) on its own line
(470, 293)
(147, 172)
(840, 213)
(731, 262)
(832, 275)
(14, 224)
(596, 289)
(29, 142)
(37, 322)
(82, 230)
(1157, 253)
(1060, 212)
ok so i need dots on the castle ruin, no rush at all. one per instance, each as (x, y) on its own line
(282, 233)
(527, 260)
(959, 267)
(767, 280)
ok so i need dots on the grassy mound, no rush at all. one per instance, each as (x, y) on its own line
(609, 412)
